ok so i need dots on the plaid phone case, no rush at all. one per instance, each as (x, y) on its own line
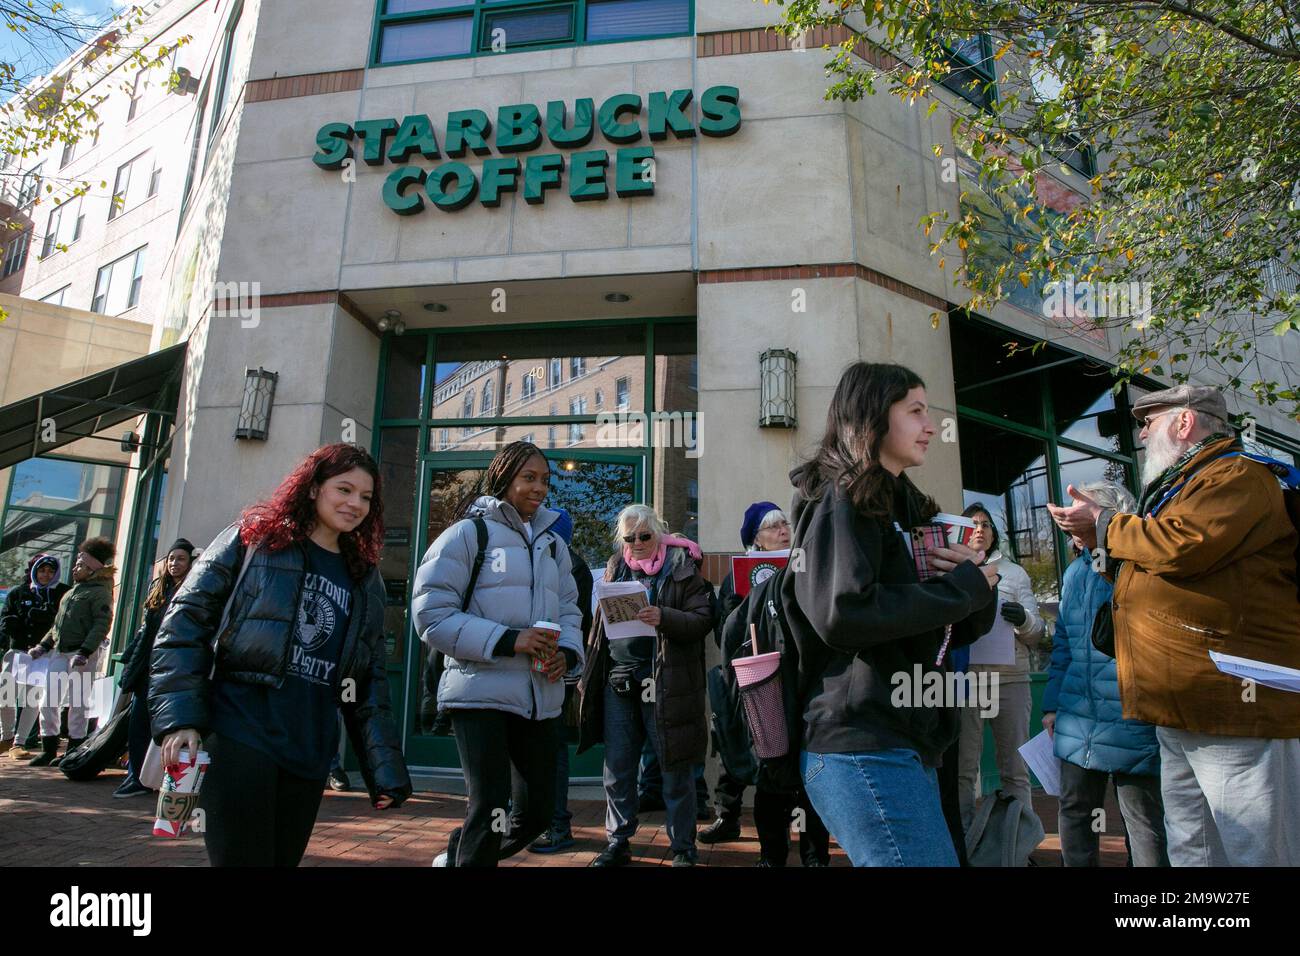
(924, 540)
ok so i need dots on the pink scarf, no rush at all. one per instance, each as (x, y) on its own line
(652, 564)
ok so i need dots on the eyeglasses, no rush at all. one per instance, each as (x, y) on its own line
(1147, 420)
(983, 525)
(643, 537)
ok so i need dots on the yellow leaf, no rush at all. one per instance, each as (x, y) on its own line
(1024, 279)
(1128, 253)
(961, 243)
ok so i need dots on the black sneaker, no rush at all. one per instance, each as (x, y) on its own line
(553, 841)
(720, 830)
(338, 780)
(130, 787)
(616, 854)
(686, 858)
(764, 861)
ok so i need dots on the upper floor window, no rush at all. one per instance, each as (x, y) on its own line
(30, 187)
(64, 226)
(973, 71)
(469, 404)
(225, 76)
(488, 394)
(577, 367)
(434, 29)
(56, 298)
(529, 386)
(16, 253)
(117, 286)
(137, 94)
(556, 374)
(137, 180)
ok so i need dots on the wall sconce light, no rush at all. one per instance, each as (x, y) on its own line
(259, 395)
(776, 407)
(392, 319)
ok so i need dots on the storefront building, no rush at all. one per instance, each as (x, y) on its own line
(433, 227)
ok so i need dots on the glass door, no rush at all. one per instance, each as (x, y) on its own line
(592, 486)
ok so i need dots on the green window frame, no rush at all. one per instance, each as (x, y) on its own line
(483, 13)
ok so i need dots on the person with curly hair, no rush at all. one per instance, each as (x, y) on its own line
(297, 584)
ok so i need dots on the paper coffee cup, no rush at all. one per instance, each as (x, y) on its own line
(552, 628)
(179, 794)
(960, 530)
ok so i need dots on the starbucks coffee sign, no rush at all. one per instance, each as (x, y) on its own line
(622, 120)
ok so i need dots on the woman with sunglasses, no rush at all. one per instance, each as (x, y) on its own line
(503, 682)
(652, 687)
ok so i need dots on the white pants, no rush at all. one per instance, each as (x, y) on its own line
(12, 695)
(67, 688)
(1230, 801)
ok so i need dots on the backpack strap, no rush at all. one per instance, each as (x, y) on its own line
(481, 530)
(1010, 831)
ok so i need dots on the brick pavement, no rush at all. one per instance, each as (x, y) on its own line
(46, 820)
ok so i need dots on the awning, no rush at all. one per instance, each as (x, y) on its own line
(90, 405)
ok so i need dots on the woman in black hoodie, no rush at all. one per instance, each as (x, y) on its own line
(871, 635)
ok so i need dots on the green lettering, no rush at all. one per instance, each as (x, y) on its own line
(669, 112)
(587, 175)
(334, 142)
(404, 204)
(721, 108)
(414, 135)
(583, 125)
(519, 128)
(499, 175)
(468, 127)
(374, 132)
(466, 186)
(628, 165)
(607, 118)
(541, 172)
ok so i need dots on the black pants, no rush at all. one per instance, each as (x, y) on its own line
(773, 812)
(255, 814)
(729, 797)
(490, 742)
(1083, 792)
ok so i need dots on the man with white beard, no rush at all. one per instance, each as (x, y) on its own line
(1208, 563)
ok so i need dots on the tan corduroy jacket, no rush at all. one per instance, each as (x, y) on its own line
(1213, 570)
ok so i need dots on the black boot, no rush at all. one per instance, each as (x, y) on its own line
(49, 749)
(73, 744)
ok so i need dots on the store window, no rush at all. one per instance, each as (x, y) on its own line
(411, 30)
(52, 505)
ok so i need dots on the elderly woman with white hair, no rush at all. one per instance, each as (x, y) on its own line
(652, 687)
(1082, 711)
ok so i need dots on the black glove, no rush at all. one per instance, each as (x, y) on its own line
(1015, 613)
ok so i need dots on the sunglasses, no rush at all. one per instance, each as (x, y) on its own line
(643, 537)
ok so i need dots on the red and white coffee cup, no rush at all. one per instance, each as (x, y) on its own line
(550, 628)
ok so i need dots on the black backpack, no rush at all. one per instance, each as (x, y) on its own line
(763, 608)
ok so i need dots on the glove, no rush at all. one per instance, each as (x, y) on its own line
(1015, 613)
(37, 651)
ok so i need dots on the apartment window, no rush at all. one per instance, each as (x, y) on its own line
(63, 227)
(69, 150)
(137, 93)
(507, 393)
(225, 78)
(529, 387)
(556, 373)
(434, 29)
(56, 298)
(154, 178)
(195, 142)
(30, 187)
(550, 436)
(578, 405)
(576, 434)
(443, 439)
(577, 367)
(132, 185)
(972, 69)
(16, 253)
(622, 394)
(117, 286)
(489, 392)
(469, 404)
(599, 400)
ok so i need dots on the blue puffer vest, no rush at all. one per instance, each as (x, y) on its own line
(1083, 687)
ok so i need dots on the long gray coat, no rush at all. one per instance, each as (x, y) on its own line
(518, 586)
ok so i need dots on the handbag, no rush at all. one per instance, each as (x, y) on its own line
(151, 774)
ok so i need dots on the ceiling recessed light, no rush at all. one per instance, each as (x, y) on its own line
(617, 297)
(434, 307)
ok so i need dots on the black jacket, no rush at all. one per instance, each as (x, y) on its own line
(27, 617)
(859, 616)
(255, 648)
(136, 657)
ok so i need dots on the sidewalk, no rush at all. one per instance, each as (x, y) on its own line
(47, 820)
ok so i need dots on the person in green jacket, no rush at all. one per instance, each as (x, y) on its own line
(79, 628)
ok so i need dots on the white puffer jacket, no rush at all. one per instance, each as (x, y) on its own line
(1015, 586)
(518, 585)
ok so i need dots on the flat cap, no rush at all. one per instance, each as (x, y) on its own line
(1199, 398)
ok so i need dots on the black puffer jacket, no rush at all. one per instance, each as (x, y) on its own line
(255, 647)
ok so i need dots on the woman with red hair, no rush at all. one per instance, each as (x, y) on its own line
(296, 583)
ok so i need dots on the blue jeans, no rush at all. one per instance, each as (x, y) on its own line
(628, 721)
(882, 806)
(651, 779)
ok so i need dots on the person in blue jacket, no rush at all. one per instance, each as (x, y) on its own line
(1082, 712)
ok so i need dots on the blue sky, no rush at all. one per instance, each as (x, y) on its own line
(36, 52)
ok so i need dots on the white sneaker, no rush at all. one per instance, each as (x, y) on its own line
(440, 859)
